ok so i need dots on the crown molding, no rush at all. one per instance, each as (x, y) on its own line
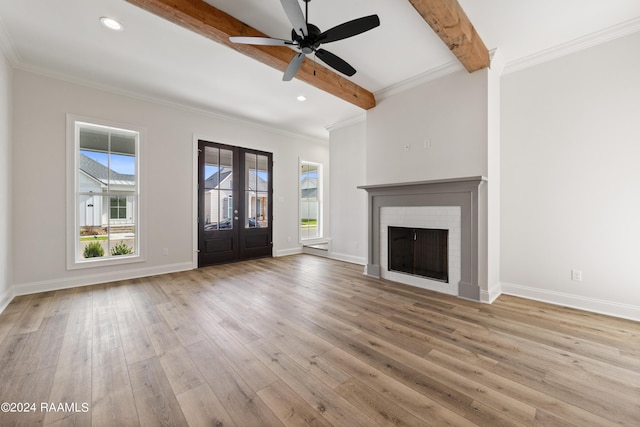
(573, 46)
(221, 115)
(594, 39)
(428, 76)
(360, 118)
(7, 47)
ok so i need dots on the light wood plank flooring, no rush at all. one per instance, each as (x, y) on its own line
(304, 340)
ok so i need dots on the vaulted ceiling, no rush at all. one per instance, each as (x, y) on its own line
(445, 17)
(156, 58)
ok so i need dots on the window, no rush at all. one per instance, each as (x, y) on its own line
(310, 201)
(103, 194)
(118, 208)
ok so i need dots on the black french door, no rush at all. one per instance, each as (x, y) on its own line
(235, 208)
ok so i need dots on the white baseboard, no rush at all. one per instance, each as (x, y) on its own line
(287, 252)
(488, 297)
(94, 279)
(610, 308)
(348, 258)
(5, 298)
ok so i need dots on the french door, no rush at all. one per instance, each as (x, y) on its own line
(235, 206)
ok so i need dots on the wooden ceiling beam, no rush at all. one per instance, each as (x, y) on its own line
(452, 25)
(208, 21)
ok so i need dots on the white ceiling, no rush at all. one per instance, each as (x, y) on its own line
(156, 59)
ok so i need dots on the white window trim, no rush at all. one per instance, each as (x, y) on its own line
(72, 243)
(320, 238)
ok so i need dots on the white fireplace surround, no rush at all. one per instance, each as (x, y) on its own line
(434, 217)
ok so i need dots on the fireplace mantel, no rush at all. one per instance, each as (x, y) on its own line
(464, 192)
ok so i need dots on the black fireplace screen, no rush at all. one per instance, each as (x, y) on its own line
(419, 251)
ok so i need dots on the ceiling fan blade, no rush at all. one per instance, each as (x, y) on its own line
(349, 29)
(335, 62)
(262, 41)
(294, 13)
(293, 67)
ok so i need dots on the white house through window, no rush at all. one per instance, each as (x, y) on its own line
(106, 176)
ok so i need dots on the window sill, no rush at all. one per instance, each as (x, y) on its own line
(106, 262)
(315, 241)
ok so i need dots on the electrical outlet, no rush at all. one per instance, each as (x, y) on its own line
(576, 275)
(407, 147)
(165, 252)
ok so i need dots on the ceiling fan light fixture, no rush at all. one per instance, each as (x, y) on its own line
(111, 23)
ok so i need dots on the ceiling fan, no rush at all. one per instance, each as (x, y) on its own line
(307, 38)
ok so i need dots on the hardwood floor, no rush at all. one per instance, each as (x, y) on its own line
(304, 340)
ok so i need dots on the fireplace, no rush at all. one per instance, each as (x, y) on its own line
(419, 251)
(457, 204)
(419, 225)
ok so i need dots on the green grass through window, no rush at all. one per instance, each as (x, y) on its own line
(89, 238)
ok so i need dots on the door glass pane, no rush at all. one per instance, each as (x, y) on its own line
(262, 209)
(263, 173)
(250, 172)
(218, 189)
(250, 178)
(256, 191)
(250, 209)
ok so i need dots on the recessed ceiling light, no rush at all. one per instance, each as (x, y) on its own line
(111, 24)
(301, 98)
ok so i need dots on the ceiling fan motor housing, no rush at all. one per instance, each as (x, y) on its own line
(309, 43)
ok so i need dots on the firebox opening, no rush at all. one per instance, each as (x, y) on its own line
(419, 251)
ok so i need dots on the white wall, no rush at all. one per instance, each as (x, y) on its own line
(6, 292)
(571, 179)
(450, 113)
(348, 204)
(445, 128)
(494, 138)
(40, 108)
